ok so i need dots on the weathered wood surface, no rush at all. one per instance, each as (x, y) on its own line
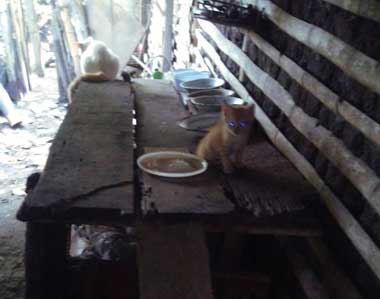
(330, 99)
(269, 185)
(356, 64)
(158, 110)
(89, 170)
(203, 197)
(173, 262)
(361, 240)
(358, 172)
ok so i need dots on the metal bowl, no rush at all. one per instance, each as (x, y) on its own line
(201, 84)
(212, 92)
(214, 103)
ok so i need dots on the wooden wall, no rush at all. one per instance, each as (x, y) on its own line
(312, 68)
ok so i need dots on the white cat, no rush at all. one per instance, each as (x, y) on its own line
(97, 57)
(98, 63)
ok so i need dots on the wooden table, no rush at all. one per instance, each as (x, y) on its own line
(91, 177)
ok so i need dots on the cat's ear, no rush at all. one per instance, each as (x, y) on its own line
(83, 44)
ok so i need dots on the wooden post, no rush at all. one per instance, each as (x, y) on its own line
(20, 40)
(34, 37)
(69, 33)
(244, 49)
(16, 84)
(168, 35)
(45, 260)
(64, 73)
(6, 28)
(79, 21)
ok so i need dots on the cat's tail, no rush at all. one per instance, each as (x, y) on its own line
(89, 77)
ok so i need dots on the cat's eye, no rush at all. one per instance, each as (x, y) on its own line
(242, 124)
(231, 124)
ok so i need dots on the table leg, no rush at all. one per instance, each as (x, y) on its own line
(45, 260)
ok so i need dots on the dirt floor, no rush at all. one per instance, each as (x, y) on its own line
(23, 150)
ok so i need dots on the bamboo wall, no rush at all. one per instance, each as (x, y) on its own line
(312, 68)
(180, 45)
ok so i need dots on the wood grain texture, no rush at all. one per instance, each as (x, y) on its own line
(269, 184)
(356, 64)
(358, 172)
(360, 239)
(158, 110)
(90, 164)
(203, 197)
(173, 262)
(331, 100)
(369, 9)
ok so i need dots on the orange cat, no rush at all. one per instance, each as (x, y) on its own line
(226, 140)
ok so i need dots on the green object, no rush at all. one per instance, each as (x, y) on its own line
(157, 74)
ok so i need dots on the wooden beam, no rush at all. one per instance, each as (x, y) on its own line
(89, 170)
(360, 174)
(168, 36)
(244, 48)
(360, 239)
(34, 35)
(69, 33)
(276, 230)
(173, 262)
(339, 284)
(369, 9)
(307, 278)
(357, 65)
(365, 124)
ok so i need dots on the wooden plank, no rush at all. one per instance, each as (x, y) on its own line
(203, 197)
(331, 100)
(173, 262)
(242, 285)
(158, 110)
(309, 281)
(269, 185)
(369, 9)
(337, 282)
(356, 64)
(90, 164)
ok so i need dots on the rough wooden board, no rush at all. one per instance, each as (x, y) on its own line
(173, 262)
(90, 164)
(198, 195)
(269, 185)
(158, 110)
